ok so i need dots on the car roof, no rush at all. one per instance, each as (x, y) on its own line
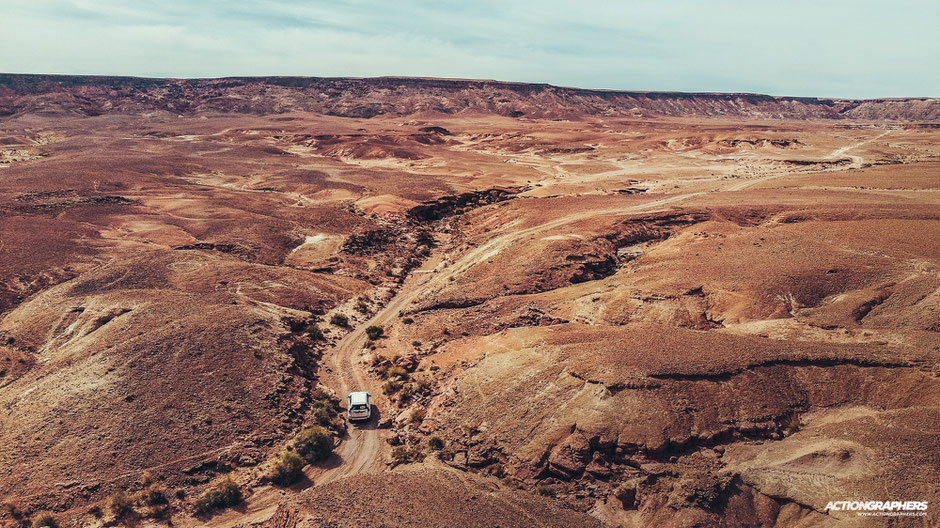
(358, 397)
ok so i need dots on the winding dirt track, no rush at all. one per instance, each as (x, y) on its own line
(363, 450)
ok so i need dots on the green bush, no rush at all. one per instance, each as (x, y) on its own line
(45, 519)
(314, 444)
(288, 469)
(223, 494)
(121, 504)
(375, 332)
(339, 320)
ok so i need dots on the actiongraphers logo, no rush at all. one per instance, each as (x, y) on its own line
(881, 508)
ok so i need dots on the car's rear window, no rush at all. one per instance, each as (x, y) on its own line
(359, 407)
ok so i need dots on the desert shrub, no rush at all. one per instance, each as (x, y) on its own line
(287, 470)
(121, 504)
(545, 490)
(322, 415)
(407, 320)
(146, 478)
(381, 369)
(792, 423)
(405, 455)
(223, 494)
(422, 385)
(181, 493)
(158, 512)
(324, 409)
(45, 519)
(155, 495)
(435, 443)
(339, 320)
(391, 386)
(375, 332)
(397, 372)
(417, 416)
(314, 444)
(314, 332)
(95, 511)
(406, 392)
(416, 344)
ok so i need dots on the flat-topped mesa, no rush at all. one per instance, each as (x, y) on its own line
(398, 96)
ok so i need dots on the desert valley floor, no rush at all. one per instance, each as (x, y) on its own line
(629, 318)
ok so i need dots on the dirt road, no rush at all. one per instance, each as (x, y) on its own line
(364, 449)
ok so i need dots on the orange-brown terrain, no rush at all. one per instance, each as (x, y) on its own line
(597, 308)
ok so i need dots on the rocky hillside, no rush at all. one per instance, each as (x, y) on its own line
(367, 98)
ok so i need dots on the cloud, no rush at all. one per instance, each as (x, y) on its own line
(841, 48)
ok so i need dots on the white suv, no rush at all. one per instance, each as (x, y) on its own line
(359, 405)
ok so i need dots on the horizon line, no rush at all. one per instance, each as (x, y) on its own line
(463, 79)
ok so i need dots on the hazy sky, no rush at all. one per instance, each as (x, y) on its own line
(834, 48)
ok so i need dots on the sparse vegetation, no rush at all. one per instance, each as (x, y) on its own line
(96, 512)
(422, 386)
(313, 332)
(158, 512)
(417, 416)
(397, 372)
(375, 332)
(792, 423)
(407, 320)
(435, 443)
(45, 520)
(406, 392)
(121, 504)
(339, 320)
(405, 455)
(287, 470)
(545, 490)
(314, 444)
(391, 386)
(224, 493)
(155, 495)
(323, 408)
(416, 344)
